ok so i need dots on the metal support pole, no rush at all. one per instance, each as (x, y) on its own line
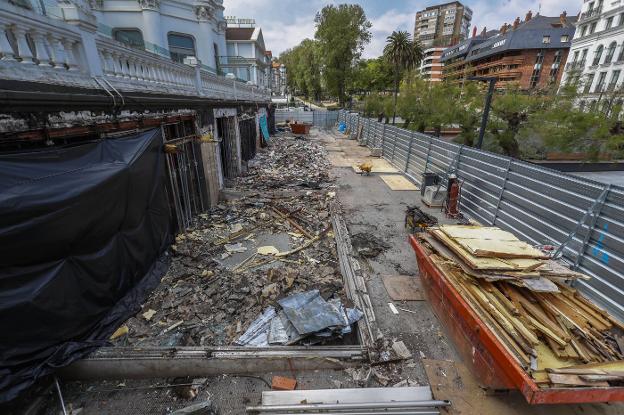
(409, 151)
(428, 155)
(594, 218)
(383, 139)
(500, 196)
(486, 109)
(60, 395)
(595, 205)
(396, 137)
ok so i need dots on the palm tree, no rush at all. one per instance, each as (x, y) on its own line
(404, 54)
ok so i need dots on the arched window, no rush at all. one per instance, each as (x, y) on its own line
(620, 57)
(610, 52)
(180, 46)
(129, 37)
(597, 55)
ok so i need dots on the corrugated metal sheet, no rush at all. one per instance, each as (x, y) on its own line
(540, 205)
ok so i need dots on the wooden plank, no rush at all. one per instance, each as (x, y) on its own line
(477, 232)
(398, 182)
(499, 249)
(484, 263)
(573, 380)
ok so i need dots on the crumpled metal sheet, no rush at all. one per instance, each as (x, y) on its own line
(258, 332)
(310, 313)
(277, 331)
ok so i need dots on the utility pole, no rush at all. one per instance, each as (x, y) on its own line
(488, 103)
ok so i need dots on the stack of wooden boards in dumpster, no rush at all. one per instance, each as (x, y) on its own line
(559, 337)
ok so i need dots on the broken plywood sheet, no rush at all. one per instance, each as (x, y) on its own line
(398, 182)
(477, 232)
(379, 165)
(403, 287)
(453, 381)
(502, 264)
(490, 242)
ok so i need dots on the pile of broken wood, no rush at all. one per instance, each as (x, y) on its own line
(523, 296)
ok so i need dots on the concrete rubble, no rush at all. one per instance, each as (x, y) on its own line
(271, 238)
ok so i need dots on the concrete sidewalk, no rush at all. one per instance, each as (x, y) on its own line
(371, 207)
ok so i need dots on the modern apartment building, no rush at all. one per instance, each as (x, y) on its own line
(430, 65)
(529, 54)
(442, 25)
(247, 57)
(596, 59)
(279, 83)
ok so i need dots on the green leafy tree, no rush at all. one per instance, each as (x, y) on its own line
(404, 54)
(304, 69)
(342, 31)
(372, 75)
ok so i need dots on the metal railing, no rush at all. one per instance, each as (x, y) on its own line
(539, 205)
(38, 48)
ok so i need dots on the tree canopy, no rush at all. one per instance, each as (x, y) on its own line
(342, 32)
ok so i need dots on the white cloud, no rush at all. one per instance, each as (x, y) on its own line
(383, 26)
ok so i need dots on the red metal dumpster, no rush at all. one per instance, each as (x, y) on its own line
(489, 360)
(298, 128)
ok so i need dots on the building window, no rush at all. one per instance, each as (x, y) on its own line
(610, 52)
(597, 55)
(129, 37)
(609, 23)
(576, 56)
(615, 77)
(583, 30)
(537, 69)
(590, 7)
(620, 57)
(582, 105)
(592, 28)
(565, 38)
(584, 56)
(621, 21)
(588, 83)
(180, 46)
(546, 39)
(554, 69)
(601, 82)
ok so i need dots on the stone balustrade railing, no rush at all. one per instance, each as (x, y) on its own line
(37, 48)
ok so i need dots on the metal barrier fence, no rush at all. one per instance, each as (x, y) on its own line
(540, 205)
(318, 118)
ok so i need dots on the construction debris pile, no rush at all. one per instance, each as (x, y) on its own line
(248, 255)
(554, 333)
(289, 162)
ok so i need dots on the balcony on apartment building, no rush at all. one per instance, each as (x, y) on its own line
(590, 14)
(73, 53)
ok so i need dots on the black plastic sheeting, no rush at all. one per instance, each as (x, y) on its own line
(84, 232)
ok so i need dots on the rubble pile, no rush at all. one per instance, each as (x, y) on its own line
(248, 255)
(290, 162)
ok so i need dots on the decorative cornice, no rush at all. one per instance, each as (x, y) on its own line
(203, 12)
(221, 26)
(149, 4)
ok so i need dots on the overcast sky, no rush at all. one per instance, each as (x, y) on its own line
(285, 23)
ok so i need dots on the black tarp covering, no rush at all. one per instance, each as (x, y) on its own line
(83, 236)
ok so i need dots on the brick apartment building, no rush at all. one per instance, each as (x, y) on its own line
(529, 53)
(442, 25)
(430, 65)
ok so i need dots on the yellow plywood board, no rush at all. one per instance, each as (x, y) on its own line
(475, 262)
(499, 249)
(398, 182)
(477, 232)
(490, 242)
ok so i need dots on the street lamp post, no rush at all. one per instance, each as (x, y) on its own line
(488, 103)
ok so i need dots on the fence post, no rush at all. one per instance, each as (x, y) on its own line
(596, 212)
(383, 139)
(409, 151)
(428, 154)
(396, 137)
(500, 196)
